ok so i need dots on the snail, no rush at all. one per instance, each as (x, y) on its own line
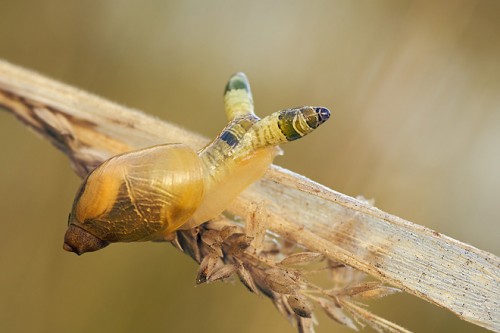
(150, 193)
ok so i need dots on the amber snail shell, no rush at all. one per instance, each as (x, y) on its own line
(150, 193)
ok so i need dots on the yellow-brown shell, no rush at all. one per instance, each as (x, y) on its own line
(140, 195)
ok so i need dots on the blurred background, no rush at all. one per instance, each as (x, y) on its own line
(413, 86)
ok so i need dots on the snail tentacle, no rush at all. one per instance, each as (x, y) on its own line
(238, 100)
(283, 126)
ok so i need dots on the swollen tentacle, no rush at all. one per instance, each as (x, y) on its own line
(282, 126)
(238, 101)
(242, 153)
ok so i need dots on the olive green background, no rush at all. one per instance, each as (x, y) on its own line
(413, 86)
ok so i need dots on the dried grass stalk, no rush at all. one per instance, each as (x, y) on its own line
(341, 229)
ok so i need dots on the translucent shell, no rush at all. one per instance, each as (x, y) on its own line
(140, 195)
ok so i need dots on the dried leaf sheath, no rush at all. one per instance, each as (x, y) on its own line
(421, 261)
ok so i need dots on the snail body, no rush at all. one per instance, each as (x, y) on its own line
(150, 193)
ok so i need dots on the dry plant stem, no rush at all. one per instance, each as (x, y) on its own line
(423, 262)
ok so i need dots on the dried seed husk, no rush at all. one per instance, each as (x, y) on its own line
(300, 305)
(246, 278)
(222, 273)
(188, 241)
(236, 243)
(175, 242)
(282, 281)
(228, 231)
(208, 266)
(301, 258)
(367, 290)
(334, 311)
(211, 237)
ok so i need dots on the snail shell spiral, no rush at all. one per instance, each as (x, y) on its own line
(133, 196)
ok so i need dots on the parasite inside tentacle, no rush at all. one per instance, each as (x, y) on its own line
(238, 100)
